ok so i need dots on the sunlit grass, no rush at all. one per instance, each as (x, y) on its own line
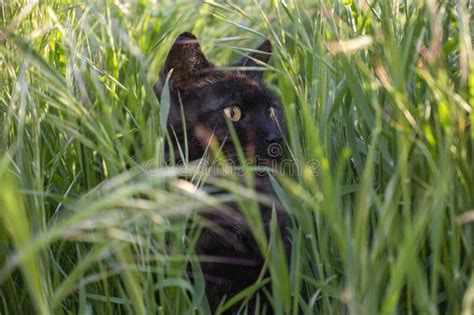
(380, 95)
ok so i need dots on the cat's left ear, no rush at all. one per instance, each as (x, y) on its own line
(255, 59)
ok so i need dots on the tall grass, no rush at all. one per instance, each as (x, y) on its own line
(379, 93)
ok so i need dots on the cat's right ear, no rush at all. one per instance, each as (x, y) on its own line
(186, 59)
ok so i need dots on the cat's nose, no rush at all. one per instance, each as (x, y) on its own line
(274, 137)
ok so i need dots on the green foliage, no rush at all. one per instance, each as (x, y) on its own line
(378, 98)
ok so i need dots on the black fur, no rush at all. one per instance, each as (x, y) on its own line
(202, 91)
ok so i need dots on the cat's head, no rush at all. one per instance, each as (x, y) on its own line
(203, 95)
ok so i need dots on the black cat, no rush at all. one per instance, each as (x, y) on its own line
(204, 95)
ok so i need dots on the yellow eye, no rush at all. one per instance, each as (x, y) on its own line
(272, 113)
(233, 112)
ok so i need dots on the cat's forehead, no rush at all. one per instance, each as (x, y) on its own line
(215, 90)
(237, 78)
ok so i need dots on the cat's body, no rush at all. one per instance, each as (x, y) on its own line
(241, 262)
(204, 95)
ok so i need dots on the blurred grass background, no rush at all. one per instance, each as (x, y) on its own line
(380, 93)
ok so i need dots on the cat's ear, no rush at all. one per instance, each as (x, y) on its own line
(186, 59)
(255, 59)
